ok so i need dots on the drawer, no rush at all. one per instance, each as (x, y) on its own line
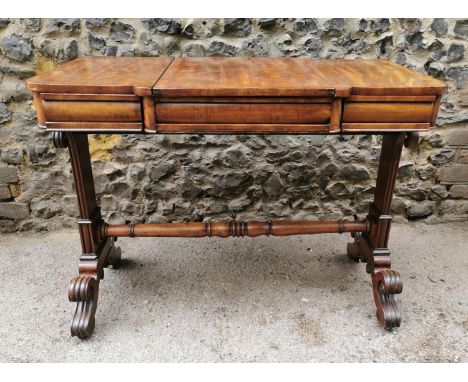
(92, 111)
(89, 112)
(387, 112)
(241, 113)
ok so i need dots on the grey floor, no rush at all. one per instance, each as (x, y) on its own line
(264, 299)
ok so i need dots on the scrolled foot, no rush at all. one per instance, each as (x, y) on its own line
(385, 284)
(84, 291)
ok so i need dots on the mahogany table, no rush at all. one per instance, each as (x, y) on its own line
(163, 95)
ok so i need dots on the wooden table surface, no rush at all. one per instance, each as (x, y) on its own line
(234, 76)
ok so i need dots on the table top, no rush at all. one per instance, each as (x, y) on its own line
(234, 76)
(234, 95)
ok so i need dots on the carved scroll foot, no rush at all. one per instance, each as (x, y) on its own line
(84, 291)
(385, 281)
(385, 284)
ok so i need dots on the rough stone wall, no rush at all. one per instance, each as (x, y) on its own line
(172, 178)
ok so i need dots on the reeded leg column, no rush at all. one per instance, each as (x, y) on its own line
(372, 247)
(97, 251)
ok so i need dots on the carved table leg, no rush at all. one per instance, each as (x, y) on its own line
(371, 247)
(97, 251)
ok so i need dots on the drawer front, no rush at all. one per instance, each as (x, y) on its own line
(238, 113)
(391, 112)
(92, 111)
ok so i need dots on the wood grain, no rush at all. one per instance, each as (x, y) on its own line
(149, 117)
(372, 247)
(287, 76)
(385, 112)
(234, 228)
(378, 78)
(252, 128)
(336, 112)
(37, 101)
(243, 113)
(250, 99)
(89, 97)
(242, 76)
(435, 110)
(96, 127)
(91, 111)
(365, 98)
(368, 128)
(102, 75)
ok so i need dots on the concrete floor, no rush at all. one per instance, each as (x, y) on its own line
(264, 299)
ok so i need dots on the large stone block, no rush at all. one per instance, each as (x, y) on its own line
(455, 52)
(463, 157)
(459, 74)
(420, 210)
(442, 156)
(12, 89)
(18, 48)
(461, 28)
(95, 23)
(440, 27)
(33, 25)
(14, 210)
(95, 41)
(454, 208)
(238, 27)
(220, 48)
(5, 113)
(457, 173)
(458, 137)
(464, 98)
(122, 32)
(8, 174)
(4, 192)
(12, 155)
(167, 26)
(162, 170)
(57, 26)
(4, 23)
(459, 191)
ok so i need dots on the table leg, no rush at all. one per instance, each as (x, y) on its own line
(372, 247)
(97, 252)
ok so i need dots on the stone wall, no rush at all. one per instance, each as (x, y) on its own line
(172, 178)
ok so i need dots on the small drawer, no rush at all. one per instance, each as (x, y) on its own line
(241, 113)
(387, 112)
(92, 111)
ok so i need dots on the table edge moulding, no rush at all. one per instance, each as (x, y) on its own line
(236, 95)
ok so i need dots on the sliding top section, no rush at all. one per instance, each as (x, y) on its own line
(291, 76)
(243, 76)
(102, 75)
